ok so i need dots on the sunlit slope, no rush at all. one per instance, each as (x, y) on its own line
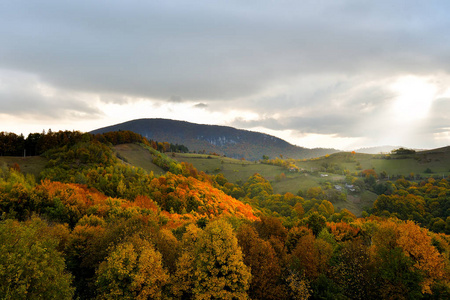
(425, 163)
(138, 156)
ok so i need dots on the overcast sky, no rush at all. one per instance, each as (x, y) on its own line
(341, 74)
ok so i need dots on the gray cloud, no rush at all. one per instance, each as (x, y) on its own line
(24, 95)
(201, 105)
(318, 67)
(199, 50)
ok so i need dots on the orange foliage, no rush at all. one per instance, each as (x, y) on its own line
(75, 198)
(369, 172)
(146, 202)
(343, 231)
(186, 194)
(416, 243)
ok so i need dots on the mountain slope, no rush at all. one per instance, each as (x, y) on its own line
(232, 142)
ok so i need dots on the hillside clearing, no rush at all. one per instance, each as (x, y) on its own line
(31, 164)
(139, 157)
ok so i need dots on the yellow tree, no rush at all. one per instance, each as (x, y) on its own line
(133, 270)
(220, 272)
(183, 280)
(30, 265)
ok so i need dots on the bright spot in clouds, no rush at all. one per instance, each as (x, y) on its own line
(414, 98)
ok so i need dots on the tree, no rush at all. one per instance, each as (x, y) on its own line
(265, 267)
(310, 256)
(30, 265)
(185, 266)
(316, 222)
(218, 264)
(353, 270)
(269, 227)
(407, 262)
(133, 270)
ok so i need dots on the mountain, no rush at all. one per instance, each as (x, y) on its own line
(229, 141)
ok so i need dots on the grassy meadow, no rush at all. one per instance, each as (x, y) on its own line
(30, 164)
(138, 156)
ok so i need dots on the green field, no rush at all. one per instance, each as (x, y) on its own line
(239, 171)
(394, 165)
(138, 156)
(31, 164)
(234, 170)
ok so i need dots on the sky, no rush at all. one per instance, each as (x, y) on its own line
(341, 74)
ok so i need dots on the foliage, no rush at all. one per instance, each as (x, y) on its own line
(425, 202)
(30, 265)
(401, 151)
(217, 264)
(288, 164)
(132, 271)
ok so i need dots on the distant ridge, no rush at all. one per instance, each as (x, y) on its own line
(377, 150)
(382, 149)
(224, 140)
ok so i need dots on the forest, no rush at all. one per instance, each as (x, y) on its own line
(93, 226)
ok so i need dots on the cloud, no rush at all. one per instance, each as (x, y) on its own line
(201, 105)
(202, 51)
(175, 99)
(306, 66)
(24, 94)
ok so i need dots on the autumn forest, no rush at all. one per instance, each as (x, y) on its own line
(88, 224)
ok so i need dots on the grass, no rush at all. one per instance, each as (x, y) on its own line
(303, 181)
(233, 169)
(357, 203)
(139, 157)
(31, 164)
(393, 165)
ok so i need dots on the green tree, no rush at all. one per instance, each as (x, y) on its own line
(316, 222)
(30, 265)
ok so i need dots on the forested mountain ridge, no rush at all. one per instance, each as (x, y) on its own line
(224, 140)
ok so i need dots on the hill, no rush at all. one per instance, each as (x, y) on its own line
(224, 140)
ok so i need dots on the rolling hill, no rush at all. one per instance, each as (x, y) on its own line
(224, 140)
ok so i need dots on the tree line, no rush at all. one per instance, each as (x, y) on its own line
(35, 144)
